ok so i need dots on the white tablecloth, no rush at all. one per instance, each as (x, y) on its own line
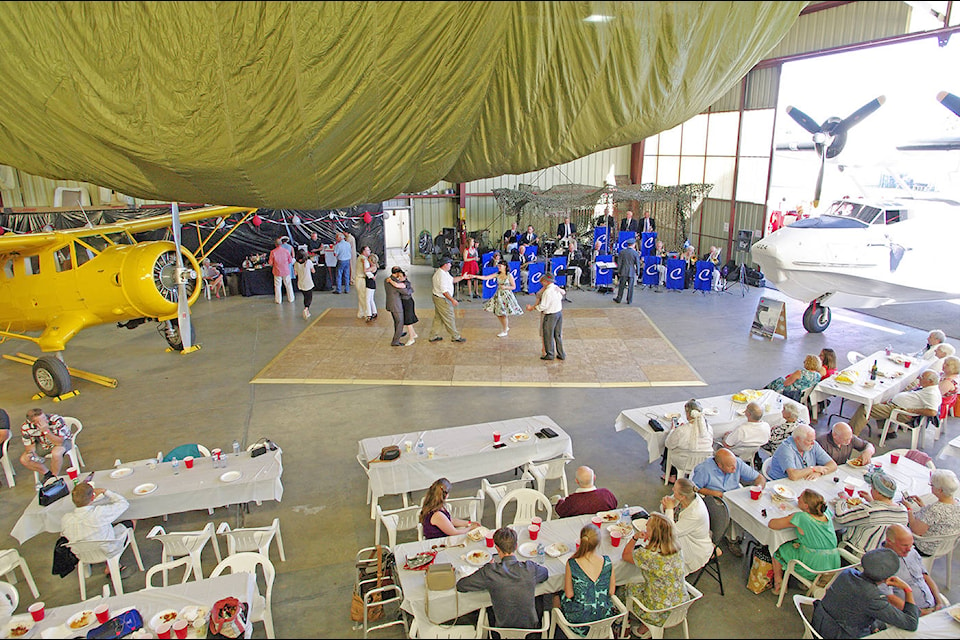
(149, 602)
(462, 453)
(566, 530)
(911, 478)
(936, 625)
(726, 420)
(951, 449)
(886, 387)
(192, 489)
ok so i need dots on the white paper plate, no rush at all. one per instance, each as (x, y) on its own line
(122, 472)
(144, 489)
(479, 557)
(230, 476)
(192, 612)
(640, 524)
(21, 621)
(609, 516)
(557, 549)
(528, 549)
(81, 620)
(954, 612)
(711, 411)
(522, 436)
(784, 491)
(478, 533)
(625, 530)
(159, 618)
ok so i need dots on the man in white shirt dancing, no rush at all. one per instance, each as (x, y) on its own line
(551, 306)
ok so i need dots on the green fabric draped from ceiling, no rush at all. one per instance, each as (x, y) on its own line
(314, 105)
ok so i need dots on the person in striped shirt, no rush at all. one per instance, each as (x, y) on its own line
(866, 523)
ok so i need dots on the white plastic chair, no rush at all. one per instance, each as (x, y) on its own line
(747, 454)
(253, 539)
(164, 567)
(9, 599)
(527, 502)
(10, 559)
(76, 459)
(496, 491)
(903, 454)
(598, 629)
(91, 552)
(799, 601)
(905, 419)
(247, 562)
(426, 629)
(821, 579)
(405, 519)
(677, 614)
(765, 467)
(684, 462)
(483, 629)
(178, 544)
(8, 469)
(550, 470)
(945, 547)
(853, 357)
(469, 508)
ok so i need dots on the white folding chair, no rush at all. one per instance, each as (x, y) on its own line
(799, 601)
(496, 491)
(676, 614)
(469, 508)
(598, 629)
(178, 544)
(821, 580)
(483, 629)
(91, 552)
(253, 539)
(8, 469)
(165, 567)
(9, 599)
(76, 459)
(10, 559)
(900, 418)
(247, 562)
(765, 467)
(945, 547)
(550, 470)
(425, 629)
(405, 519)
(684, 462)
(528, 501)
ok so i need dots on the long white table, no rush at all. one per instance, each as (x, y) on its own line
(892, 378)
(566, 530)
(193, 489)
(911, 478)
(150, 602)
(462, 453)
(951, 449)
(938, 624)
(728, 417)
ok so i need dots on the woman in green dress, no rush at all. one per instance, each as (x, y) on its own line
(588, 582)
(661, 581)
(503, 303)
(816, 543)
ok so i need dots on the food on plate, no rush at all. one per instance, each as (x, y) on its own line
(478, 557)
(557, 549)
(855, 462)
(19, 629)
(528, 549)
(522, 436)
(168, 616)
(854, 501)
(847, 377)
(954, 612)
(747, 395)
(478, 534)
(626, 530)
(81, 620)
(711, 411)
(419, 560)
(609, 516)
(783, 492)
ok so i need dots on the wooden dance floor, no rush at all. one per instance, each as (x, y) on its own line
(604, 347)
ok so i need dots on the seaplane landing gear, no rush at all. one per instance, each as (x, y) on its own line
(816, 318)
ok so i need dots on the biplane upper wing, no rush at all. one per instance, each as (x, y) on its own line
(30, 242)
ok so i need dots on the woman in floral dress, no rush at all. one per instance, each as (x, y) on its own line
(660, 584)
(503, 303)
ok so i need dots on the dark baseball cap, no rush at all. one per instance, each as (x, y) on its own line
(444, 261)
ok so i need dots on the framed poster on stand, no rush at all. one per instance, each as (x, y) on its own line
(770, 319)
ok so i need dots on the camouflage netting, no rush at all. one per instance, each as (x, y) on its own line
(671, 207)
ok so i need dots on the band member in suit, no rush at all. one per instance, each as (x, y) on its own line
(566, 228)
(530, 238)
(510, 238)
(629, 266)
(629, 223)
(647, 224)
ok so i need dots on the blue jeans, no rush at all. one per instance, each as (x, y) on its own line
(343, 275)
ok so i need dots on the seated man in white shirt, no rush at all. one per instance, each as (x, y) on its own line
(925, 401)
(751, 435)
(935, 338)
(93, 517)
(925, 591)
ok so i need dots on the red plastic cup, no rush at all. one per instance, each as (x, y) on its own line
(534, 531)
(188, 462)
(489, 540)
(37, 611)
(163, 630)
(894, 458)
(102, 612)
(537, 520)
(597, 520)
(849, 490)
(180, 629)
(906, 364)
(496, 436)
(755, 493)
(73, 472)
(615, 537)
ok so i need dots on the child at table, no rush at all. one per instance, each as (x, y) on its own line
(816, 543)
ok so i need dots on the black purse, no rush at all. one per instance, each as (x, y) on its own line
(53, 491)
(655, 424)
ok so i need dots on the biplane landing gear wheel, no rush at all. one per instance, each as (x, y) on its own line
(51, 376)
(170, 330)
(816, 318)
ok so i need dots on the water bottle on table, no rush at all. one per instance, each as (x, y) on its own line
(421, 448)
(625, 514)
(541, 554)
(236, 448)
(176, 466)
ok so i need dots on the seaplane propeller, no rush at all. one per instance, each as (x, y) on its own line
(830, 137)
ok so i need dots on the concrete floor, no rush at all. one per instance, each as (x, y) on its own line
(167, 399)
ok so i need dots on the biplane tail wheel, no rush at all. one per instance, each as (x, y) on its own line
(51, 376)
(816, 318)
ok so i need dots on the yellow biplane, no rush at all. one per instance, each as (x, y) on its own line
(61, 282)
